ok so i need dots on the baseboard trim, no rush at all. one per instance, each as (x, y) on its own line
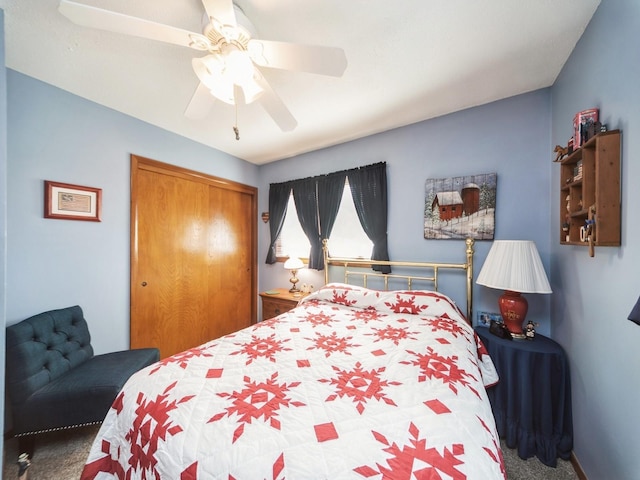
(577, 467)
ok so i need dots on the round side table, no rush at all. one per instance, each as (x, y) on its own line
(531, 402)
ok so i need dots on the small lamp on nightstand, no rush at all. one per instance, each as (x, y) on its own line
(514, 266)
(294, 264)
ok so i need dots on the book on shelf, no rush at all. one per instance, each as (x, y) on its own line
(577, 171)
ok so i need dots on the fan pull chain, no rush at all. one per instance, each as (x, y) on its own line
(235, 127)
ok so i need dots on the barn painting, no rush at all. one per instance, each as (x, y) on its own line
(460, 207)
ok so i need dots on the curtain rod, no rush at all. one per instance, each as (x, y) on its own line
(341, 172)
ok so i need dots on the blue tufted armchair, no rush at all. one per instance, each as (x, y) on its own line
(54, 380)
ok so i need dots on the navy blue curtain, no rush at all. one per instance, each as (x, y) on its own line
(278, 200)
(330, 188)
(369, 191)
(305, 196)
(317, 202)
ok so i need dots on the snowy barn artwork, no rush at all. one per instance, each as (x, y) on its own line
(460, 207)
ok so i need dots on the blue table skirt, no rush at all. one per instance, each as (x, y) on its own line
(532, 401)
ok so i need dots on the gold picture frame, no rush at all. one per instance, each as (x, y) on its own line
(72, 202)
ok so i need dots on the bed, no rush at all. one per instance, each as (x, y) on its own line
(354, 382)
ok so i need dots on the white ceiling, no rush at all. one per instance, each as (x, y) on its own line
(408, 60)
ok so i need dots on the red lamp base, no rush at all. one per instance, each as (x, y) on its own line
(513, 308)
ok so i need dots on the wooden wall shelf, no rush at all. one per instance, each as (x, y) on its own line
(590, 177)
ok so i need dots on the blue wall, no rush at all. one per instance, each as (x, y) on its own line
(3, 211)
(510, 138)
(593, 296)
(54, 135)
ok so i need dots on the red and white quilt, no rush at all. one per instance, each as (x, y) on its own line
(351, 384)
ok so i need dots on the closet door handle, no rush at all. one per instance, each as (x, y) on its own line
(144, 284)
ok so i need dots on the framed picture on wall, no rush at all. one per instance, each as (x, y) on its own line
(460, 207)
(72, 202)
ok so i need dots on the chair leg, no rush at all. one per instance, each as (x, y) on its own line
(23, 465)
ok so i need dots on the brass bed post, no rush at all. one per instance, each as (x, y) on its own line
(469, 242)
(325, 255)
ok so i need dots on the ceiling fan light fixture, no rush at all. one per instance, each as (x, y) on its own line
(220, 72)
(241, 32)
(211, 66)
(238, 67)
(209, 71)
(224, 92)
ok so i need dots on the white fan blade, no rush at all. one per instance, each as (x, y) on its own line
(88, 16)
(304, 58)
(221, 10)
(200, 104)
(275, 107)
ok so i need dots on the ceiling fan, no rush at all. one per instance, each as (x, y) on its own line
(229, 70)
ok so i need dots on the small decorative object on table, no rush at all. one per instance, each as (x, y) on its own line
(306, 288)
(530, 332)
(499, 329)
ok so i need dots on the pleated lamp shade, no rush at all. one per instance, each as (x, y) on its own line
(514, 266)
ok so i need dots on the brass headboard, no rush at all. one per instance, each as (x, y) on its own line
(433, 267)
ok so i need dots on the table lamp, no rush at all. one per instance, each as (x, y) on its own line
(294, 264)
(514, 266)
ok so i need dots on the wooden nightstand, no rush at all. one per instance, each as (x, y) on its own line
(275, 304)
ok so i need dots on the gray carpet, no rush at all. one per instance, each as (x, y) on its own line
(61, 455)
(58, 455)
(533, 469)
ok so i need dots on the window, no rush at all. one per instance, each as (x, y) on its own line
(347, 237)
(369, 183)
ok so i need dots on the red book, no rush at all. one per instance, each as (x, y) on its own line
(581, 121)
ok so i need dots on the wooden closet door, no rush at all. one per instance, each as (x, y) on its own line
(193, 257)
